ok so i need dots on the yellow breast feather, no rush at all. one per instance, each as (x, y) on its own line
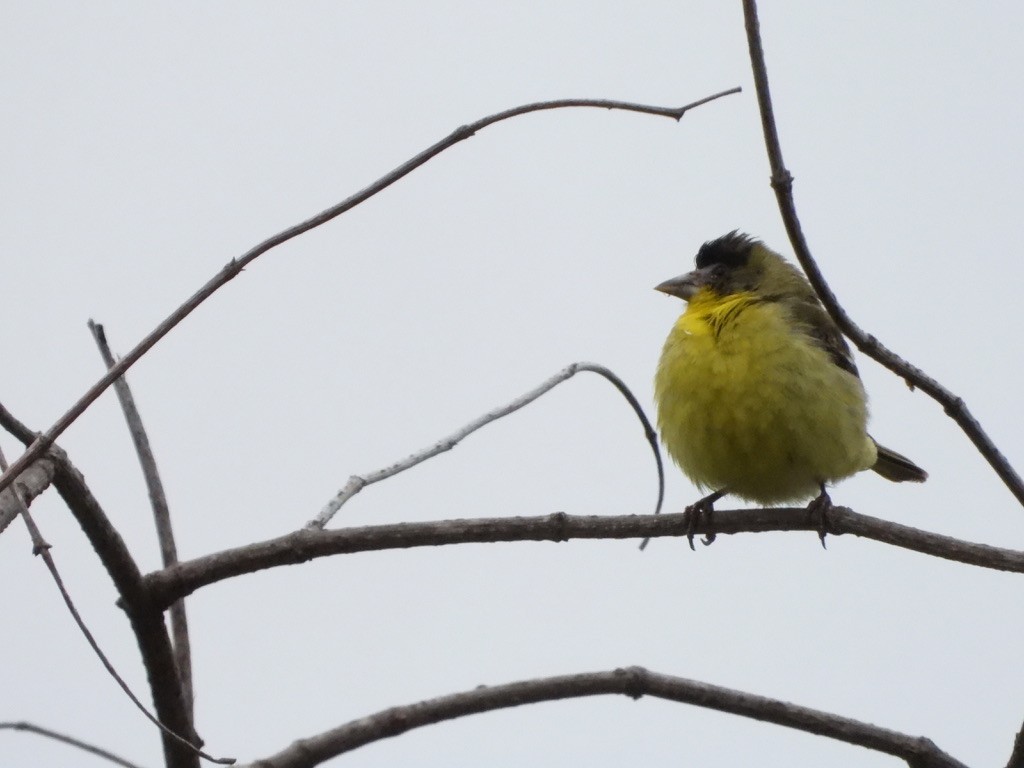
(748, 403)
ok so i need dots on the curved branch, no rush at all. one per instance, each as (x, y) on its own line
(782, 183)
(233, 267)
(356, 483)
(170, 584)
(633, 682)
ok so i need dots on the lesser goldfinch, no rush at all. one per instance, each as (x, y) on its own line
(757, 392)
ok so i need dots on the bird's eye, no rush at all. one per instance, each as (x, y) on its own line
(717, 271)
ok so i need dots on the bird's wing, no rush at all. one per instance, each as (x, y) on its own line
(824, 332)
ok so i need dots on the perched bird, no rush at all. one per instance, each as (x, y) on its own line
(757, 392)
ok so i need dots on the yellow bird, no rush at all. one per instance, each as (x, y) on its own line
(757, 392)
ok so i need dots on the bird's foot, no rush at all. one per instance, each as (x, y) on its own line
(818, 509)
(698, 512)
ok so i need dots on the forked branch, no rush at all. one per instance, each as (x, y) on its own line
(146, 620)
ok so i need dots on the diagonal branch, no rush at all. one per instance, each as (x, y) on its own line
(161, 515)
(30, 484)
(356, 483)
(146, 619)
(170, 584)
(633, 682)
(782, 183)
(21, 725)
(233, 267)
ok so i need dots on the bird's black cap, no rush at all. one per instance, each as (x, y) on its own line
(731, 250)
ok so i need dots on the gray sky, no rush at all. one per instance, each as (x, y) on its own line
(147, 144)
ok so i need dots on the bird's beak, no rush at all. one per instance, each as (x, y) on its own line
(684, 286)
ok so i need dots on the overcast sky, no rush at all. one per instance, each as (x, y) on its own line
(147, 144)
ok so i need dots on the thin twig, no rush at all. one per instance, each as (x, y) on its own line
(161, 514)
(147, 621)
(782, 183)
(233, 267)
(356, 483)
(70, 740)
(42, 549)
(633, 682)
(171, 584)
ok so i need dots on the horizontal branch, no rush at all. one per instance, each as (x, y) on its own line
(634, 682)
(170, 584)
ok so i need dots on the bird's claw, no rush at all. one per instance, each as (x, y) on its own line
(818, 510)
(698, 512)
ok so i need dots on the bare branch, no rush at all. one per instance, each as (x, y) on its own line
(85, 747)
(233, 267)
(30, 484)
(42, 549)
(782, 183)
(146, 620)
(1017, 755)
(170, 584)
(634, 682)
(161, 515)
(356, 483)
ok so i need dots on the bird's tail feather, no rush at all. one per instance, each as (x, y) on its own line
(896, 467)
